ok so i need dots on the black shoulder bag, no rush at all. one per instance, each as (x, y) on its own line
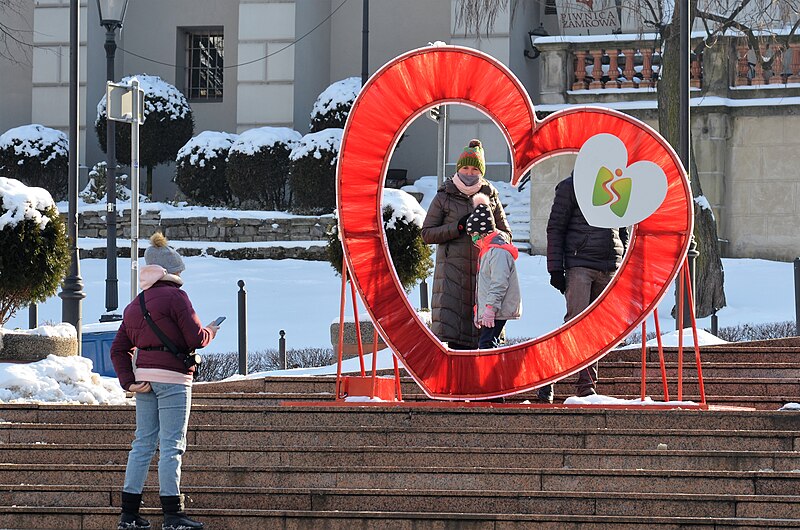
(188, 359)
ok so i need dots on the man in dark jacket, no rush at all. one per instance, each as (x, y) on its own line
(581, 259)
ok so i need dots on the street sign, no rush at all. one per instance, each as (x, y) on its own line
(120, 102)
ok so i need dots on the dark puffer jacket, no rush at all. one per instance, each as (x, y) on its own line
(456, 262)
(171, 310)
(572, 242)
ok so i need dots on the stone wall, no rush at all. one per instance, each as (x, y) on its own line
(296, 228)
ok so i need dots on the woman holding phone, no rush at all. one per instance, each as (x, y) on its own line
(162, 380)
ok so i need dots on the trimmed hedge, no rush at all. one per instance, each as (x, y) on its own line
(313, 177)
(259, 167)
(36, 156)
(200, 168)
(333, 105)
(410, 255)
(34, 254)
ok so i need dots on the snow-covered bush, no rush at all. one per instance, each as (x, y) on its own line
(334, 104)
(259, 167)
(36, 156)
(168, 125)
(313, 177)
(402, 222)
(200, 168)
(34, 256)
(95, 190)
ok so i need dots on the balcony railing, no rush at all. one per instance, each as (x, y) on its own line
(581, 69)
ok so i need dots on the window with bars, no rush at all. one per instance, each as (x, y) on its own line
(205, 54)
(550, 7)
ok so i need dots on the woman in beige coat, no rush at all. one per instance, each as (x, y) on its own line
(456, 257)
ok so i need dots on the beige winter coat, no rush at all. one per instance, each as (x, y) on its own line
(456, 262)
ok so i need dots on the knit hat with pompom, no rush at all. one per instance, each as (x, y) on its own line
(472, 156)
(481, 221)
(158, 253)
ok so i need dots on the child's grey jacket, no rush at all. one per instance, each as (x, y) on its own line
(498, 284)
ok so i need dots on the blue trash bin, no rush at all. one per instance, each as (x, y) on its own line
(96, 346)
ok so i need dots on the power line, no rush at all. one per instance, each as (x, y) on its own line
(309, 32)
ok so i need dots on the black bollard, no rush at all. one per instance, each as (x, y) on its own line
(282, 351)
(242, 308)
(797, 296)
(423, 295)
(33, 316)
(714, 323)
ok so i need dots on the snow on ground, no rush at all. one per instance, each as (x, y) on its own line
(302, 297)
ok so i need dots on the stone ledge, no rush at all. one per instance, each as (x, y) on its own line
(311, 253)
(23, 347)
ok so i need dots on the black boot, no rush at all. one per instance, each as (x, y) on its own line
(174, 516)
(130, 520)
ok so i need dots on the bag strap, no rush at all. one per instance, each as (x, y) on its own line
(168, 343)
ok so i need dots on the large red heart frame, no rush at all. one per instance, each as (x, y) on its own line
(413, 83)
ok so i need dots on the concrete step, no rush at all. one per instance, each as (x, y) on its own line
(45, 418)
(102, 519)
(536, 436)
(422, 456)
(421, 500)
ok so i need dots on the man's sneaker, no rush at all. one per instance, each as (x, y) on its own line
(586, 392)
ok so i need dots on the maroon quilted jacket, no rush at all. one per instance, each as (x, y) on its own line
(171, 310)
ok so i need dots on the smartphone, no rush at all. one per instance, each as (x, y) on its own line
(219, 320)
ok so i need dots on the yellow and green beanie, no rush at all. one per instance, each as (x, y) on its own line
(472, 156)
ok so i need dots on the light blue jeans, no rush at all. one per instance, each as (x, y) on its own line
(162, 417)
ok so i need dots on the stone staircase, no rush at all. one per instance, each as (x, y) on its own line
(254, 462)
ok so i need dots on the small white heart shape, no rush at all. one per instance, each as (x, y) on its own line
(610, 193)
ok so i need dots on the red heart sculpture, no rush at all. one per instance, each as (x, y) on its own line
(408, 86)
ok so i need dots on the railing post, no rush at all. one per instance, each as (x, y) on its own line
(242, 310)
(282, 351)
(797, 296)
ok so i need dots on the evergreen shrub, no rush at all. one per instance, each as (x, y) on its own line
(259, 167)
(36, 156)
(34, 254)
(313, 173)
(200, 168)
(333, 105)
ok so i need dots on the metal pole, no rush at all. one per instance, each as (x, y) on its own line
(797, 296)
(282, 351)
(112, 301)
(365, 42)
(441, 154)
(684, 144)
(135, 103)
(242, 315)
(423, 294)
(72, 287)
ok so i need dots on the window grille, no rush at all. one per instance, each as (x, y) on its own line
(205, 53)
(550, 7)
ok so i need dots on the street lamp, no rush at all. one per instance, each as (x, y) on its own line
(112, 12)
(533, 35)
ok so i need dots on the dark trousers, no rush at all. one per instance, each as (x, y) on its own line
(490, 337)
(584, 285)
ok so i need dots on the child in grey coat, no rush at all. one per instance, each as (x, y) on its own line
(498, 296)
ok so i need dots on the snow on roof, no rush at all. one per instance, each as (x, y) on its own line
(252, 140)
(35, 140)
(315, 143)
(207, 144)
(159, 96)
(22, 202)
(340, 92)
(405, 206)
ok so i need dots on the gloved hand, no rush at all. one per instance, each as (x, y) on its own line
(558, 281)
(487, 318)
(462, 223)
